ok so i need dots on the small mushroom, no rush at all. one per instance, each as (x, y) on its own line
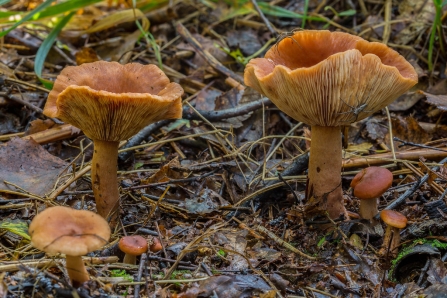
(394, 222)
(369, 184)
(132, 246)
(111, 102)
(155, 245)
(328, 80)
(71, 232)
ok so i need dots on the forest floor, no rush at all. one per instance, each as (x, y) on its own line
(209, 186)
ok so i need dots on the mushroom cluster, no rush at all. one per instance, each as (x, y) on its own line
(327, 80)
(111, 102)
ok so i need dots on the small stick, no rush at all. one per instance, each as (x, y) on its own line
(400, 200)
(140, 274)
(263, 18)
(190, 114)
(283, 243)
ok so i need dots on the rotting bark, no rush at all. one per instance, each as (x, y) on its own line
(324, 189)
(105, 180)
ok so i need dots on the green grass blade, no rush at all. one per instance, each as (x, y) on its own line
(306, 8)
(65, 7)
(284, 13)
(28, 16)
(3, 2)
(45, 48)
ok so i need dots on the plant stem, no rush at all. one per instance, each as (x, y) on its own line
(324, 186)
(104, 178)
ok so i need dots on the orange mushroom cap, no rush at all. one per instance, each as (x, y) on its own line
(65, 230)
(112, 102)
(394, 219)
(371, 183)
(133, 245)
(320, 77)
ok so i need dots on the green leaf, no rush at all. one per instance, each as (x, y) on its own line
(347, 13)
(29, 16)
(64, 7)
(45, 47)
(3, 2)
(16, 226)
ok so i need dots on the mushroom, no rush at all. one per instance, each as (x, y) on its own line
(394, 222)
(111, 102)
(327, 80)
(71, 232)
(155, 245)
(369, 184)
(132, 246)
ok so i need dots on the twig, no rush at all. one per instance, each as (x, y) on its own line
(67, 183)
(140, 274)
(263, 18)
(400, 200)
(207, 56)
(283, 243)
(190, 179)
(384, 158)
(404, 143)
(15, 266)
(190, 114)
(141, 136)
(320, 292)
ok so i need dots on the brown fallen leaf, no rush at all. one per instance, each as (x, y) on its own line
(26, 164)
(440, 101)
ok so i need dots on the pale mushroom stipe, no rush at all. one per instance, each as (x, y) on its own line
(111, 102)
(369, 184)
(75, 233)
(322, 78)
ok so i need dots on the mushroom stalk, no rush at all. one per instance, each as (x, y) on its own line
(391, 238)
(104, 178)
(368, 209)
(325, 163)
(76, 269)
(130, 259)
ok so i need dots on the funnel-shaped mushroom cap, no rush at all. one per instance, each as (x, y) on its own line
(112, 102)
(371, 183)
(394, 219)
(330, 78)
(68, 231)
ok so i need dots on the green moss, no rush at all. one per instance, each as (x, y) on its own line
(408, 249)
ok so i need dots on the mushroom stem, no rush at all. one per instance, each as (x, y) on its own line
(104, 178)
(391, 238)
(324, 186)
(76, 270)
(368, 209)
(130, 259)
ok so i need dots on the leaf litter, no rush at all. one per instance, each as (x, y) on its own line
(207, 186)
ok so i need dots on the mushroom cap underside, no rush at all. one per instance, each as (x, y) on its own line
(68, 231)
(330, 78)
(112, 102)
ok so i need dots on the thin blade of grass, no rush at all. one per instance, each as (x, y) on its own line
(28, 16)
(65, 7)
(45, 48)
(280, 12)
